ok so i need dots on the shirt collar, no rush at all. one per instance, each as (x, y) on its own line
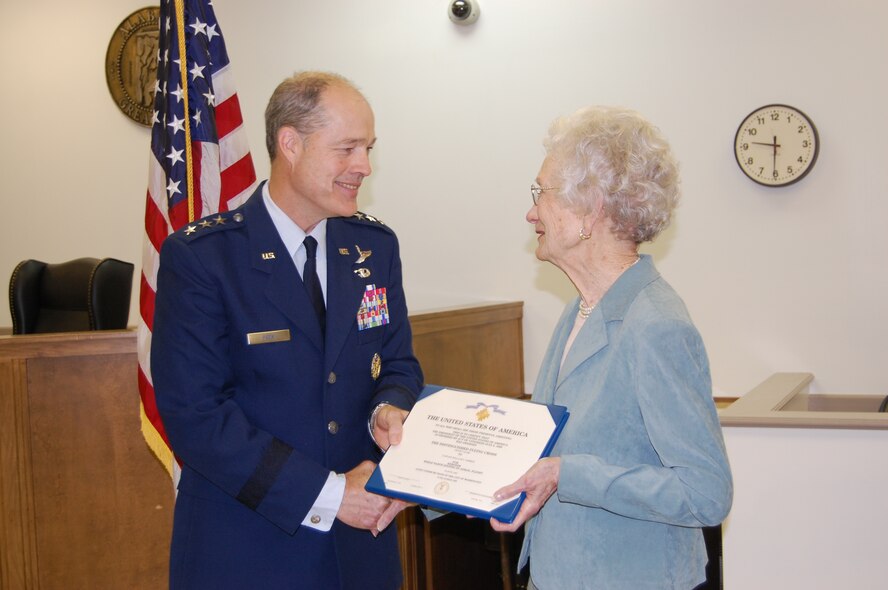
(291, 234)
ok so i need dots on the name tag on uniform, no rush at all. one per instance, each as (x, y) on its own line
(268, 337)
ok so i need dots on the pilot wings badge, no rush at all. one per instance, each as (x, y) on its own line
(362, 254)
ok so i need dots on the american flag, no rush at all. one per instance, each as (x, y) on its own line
(200, 162)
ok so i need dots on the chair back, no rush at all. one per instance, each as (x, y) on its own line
(78, 295)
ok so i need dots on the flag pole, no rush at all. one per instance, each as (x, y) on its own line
(183, 80)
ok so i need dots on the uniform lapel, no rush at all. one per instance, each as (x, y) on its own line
(284, 288)
(344, 287)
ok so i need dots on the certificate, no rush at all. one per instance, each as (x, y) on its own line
(459, 447)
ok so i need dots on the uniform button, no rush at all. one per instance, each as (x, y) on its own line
(331, 378)
(315, 519)
(332, 427)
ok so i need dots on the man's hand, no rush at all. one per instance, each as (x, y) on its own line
(360, 508)
(390, 513)
(540, 482)
(388, 426)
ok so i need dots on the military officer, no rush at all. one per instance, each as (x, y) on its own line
(281, 367)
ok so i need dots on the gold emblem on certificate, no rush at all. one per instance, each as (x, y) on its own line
(375, 366)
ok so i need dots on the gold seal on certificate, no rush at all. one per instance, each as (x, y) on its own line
(459, 447)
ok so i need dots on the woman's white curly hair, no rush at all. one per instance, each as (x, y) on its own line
(613, 156)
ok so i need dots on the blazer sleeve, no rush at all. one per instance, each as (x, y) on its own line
(193, 383)
(692, 485)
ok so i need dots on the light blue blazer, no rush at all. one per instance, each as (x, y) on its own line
(643, 463)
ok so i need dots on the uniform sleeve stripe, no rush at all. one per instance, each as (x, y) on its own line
(266, 473)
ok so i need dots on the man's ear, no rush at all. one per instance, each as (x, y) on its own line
(289, 143)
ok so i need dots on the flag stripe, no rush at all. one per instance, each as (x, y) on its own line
(221, 168)
(237, 181)
(228, 116)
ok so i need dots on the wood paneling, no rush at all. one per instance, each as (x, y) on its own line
(84, 503)
(479, 348)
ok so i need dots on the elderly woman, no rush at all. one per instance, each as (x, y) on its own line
(640, 467)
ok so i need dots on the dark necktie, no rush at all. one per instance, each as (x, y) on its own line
(311, 281)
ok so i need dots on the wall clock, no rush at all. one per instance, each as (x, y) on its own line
(776, 145)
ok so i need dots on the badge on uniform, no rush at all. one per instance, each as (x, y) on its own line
(375, 366)
(374, 308)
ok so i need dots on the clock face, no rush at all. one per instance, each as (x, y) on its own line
(776, 145)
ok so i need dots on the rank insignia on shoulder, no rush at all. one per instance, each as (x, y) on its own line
(364, 217)
(210, 224)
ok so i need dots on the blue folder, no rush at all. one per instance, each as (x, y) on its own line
(505, 513)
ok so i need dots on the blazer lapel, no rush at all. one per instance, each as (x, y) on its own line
(544, 389)
(591, 339)
(284, 288)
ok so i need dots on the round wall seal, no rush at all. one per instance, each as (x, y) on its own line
(131, 64)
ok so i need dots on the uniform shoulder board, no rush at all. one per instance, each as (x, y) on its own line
(361, 216)
(211, 224)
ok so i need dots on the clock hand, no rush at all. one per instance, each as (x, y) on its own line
(775, 152)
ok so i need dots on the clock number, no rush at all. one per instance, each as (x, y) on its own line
(760, 119)
(801, 160)
(752, 131)
(789, 170)
(775, 116)
(801, 128)
(776, 174)
(750, 162)
(805, 143)
(744, 146)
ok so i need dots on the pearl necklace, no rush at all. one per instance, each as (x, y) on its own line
(586, 310)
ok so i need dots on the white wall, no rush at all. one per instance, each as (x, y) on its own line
(808, 509)
(790, 279)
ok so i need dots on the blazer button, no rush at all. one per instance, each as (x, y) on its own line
(315, 519)
(331, 378)
(332, 427)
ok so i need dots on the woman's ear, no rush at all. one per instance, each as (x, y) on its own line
(592, 217)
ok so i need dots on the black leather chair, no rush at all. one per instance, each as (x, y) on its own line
(78, 295)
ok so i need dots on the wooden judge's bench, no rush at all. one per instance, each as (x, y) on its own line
(84, 503)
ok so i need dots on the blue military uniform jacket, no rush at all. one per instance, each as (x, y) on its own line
(259, 406)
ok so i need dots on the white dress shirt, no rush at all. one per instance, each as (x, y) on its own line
(323, 512)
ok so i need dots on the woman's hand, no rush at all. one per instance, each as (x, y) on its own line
(539, 483)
